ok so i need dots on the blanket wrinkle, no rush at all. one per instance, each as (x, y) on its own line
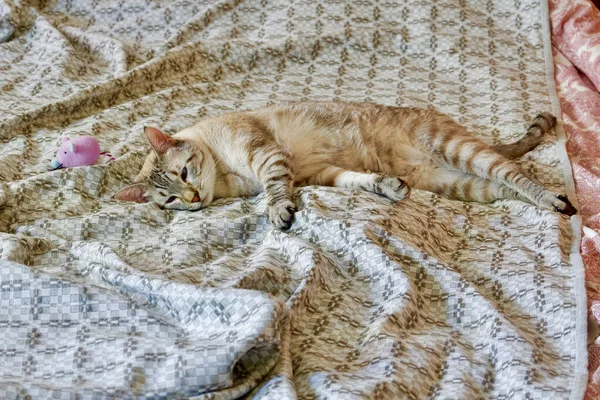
(362, 297)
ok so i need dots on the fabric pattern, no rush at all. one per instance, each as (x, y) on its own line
(576, 37)
(361, 298)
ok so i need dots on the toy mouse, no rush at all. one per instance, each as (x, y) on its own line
(83, 150)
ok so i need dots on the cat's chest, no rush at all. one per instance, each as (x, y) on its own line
(236, 184)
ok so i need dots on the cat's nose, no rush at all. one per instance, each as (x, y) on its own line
(196, 198)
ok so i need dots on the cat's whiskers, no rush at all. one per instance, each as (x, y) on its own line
(208, 174)
(212, 169)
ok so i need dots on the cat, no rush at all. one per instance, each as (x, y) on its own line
(380, 149)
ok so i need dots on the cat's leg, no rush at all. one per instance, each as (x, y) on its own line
(388, 186)
(490, 165)
(453, 146)
(271, 167)
(457, 185)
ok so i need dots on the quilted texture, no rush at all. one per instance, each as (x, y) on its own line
(362, 298)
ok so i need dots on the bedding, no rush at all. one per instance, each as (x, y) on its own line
(361, 298)
(576, 48)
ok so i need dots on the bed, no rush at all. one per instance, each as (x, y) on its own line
(361, 298)
(576, 46)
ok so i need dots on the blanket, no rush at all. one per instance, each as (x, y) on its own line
(361, 298)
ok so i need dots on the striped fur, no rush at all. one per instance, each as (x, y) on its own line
(385, 150)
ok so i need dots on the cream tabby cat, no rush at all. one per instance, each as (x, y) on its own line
(380, 149)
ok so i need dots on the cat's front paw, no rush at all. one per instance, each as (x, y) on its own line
(281, 214)
(393, 188)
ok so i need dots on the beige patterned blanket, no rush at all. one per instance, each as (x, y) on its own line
(428, 298)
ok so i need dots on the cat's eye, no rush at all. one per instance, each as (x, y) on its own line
(170, 199)
(184, 174)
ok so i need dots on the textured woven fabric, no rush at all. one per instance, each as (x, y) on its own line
(362, 298)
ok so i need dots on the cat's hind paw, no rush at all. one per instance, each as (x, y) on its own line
(558, 203)
(281, 214)
(564, 206)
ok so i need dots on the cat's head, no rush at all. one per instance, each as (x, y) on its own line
(177, 174)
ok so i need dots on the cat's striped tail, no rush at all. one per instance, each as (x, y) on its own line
(540, 125)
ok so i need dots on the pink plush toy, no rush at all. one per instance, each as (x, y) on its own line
(77, 152)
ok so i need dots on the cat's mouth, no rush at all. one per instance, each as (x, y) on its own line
(197, 203)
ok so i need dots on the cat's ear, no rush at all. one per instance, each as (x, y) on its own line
(135, 192)
(158, 140)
